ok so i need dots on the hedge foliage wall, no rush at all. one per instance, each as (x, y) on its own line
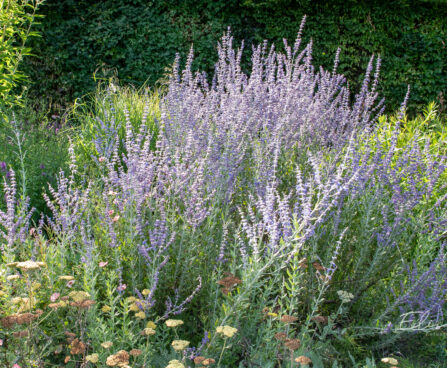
(138, 39)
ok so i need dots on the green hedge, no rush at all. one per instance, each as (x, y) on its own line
(138, 39)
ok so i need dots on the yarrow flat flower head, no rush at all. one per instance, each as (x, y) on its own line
(29, 265)
(180, 345)
(151, 324)
(208, 361)
(227, 331)
(390, 361)
(199, 359)
(134, 307)
(66, 278)
(79, 296)
(140, 315)
(288, 319)
(293, 344)
(345, 296)
(135, 352)
(303, 360)
(148, 331)
(92, 358)
(281, 336)
(121, 358)
(173, 322)
(107, 344)
(175, 364)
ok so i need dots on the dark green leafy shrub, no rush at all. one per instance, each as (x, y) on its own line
(138, 39)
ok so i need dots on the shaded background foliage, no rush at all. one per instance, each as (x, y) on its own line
(137, 40)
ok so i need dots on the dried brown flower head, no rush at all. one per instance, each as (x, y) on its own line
(302, 263)
(18, 334)
(135, 352)
(318, 266)
(303, 360)
(67, 359)
(199, 359)
(292, 344)
(288, 319)
(9, 321)
(25, 318)
(281, 336)
(208, 361)
(119, 359)
(70, 336)
(77, 347)
(229, 281)
(321, 319)
(83, 304)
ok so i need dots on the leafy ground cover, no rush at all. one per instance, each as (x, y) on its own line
(268, 219)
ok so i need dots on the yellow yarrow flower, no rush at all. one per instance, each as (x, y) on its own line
(106, 309)
(79, 296)
(134, 307)
(29, 265)
(146, 292)
(93, 358)
(63, 304)
(148, 331)
(175, 364)
(66, 278)
(173, 322)
(391, 361)
(152, 325)
(140, 315)
(107, 344)
(227, 331)
(180, 345)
